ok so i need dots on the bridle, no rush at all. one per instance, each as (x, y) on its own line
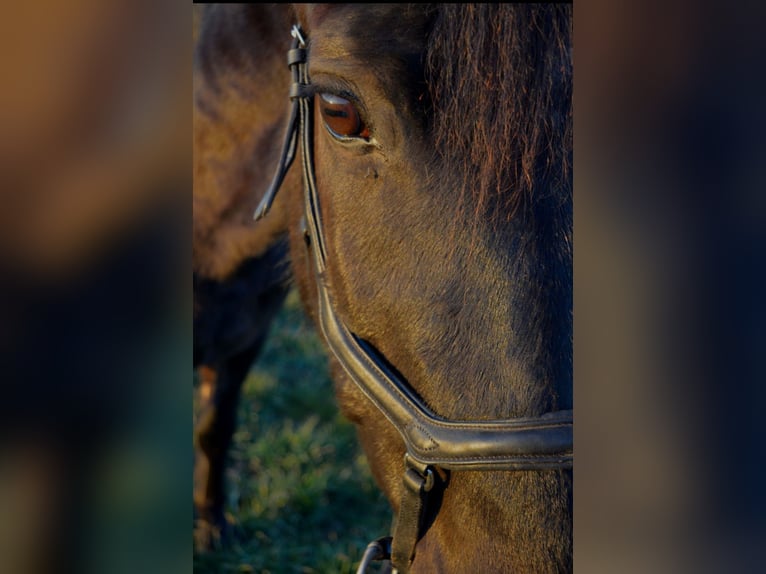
(433, 443)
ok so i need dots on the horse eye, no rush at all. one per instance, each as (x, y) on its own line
(341, 117)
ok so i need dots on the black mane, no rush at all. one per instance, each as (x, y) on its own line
(507, 70)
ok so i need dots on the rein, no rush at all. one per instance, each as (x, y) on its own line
(433, 443)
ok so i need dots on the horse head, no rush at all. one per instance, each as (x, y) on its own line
(436, 152)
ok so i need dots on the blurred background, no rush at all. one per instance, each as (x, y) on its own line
(670, 230)
(95, 298)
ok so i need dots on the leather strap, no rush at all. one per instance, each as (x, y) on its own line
(296, 59)
(540, 443)
(379, 549)
(417, 483)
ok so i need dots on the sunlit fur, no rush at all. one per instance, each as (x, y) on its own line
(499, 78)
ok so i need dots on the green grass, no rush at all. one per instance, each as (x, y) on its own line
(301, 495)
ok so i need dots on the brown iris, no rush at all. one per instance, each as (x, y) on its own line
(341, 117)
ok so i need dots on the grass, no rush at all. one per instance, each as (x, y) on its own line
(301, 495)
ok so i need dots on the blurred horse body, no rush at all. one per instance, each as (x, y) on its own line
(442, 161)
(240, 273)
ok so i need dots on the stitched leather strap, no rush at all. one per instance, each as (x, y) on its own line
(541, 443)
(417, 483)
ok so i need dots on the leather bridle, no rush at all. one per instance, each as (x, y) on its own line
(433, 443)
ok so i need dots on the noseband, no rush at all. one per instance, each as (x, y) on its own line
(432, 442)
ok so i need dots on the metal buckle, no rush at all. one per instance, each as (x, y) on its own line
(296, 33)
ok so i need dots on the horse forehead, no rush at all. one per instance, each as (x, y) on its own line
(366, 31)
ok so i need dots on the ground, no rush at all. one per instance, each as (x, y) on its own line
(301, 496)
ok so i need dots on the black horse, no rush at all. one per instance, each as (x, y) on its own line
(431, 240)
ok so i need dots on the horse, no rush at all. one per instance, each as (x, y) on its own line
(429, 234)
